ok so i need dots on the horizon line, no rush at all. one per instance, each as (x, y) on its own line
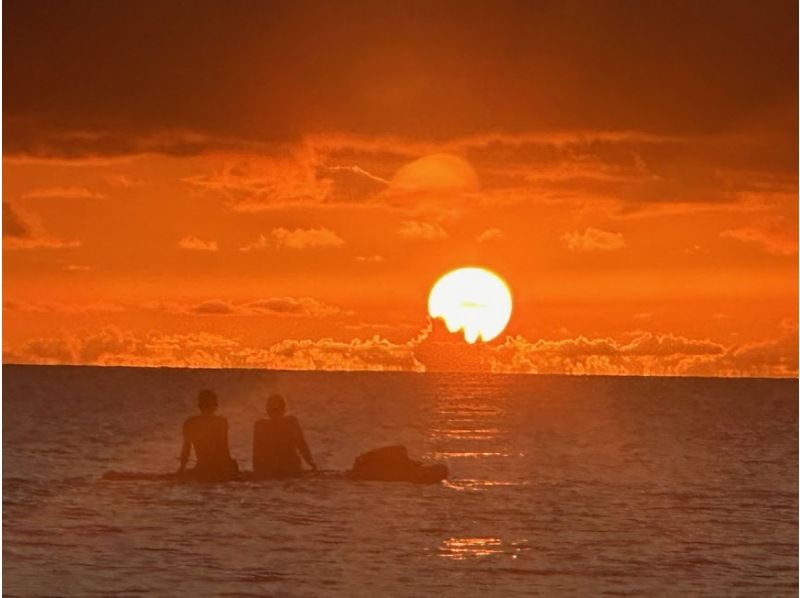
(357, 371)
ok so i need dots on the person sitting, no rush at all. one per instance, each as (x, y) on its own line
(208, 434)
(278, 443)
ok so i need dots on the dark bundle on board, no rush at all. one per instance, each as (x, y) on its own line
(392, 464)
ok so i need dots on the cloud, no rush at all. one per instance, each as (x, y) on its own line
(302, 306)
(15, 226)
(357, 170)
(426, 231)
(124, 180)
(58, 307)
(352, 185)
(192, 243)
(370, 259)
(593, 239)
(695, 249)
(490, 234)
(261, 243)
(63, 193)
(373, 326)
(296, 239)
(113, 346)
(646, 354)
(283, 306)
(649, 344)
(774, 357)
(105, 147)
(314, 172)
(624, 174)
(25, 231)
(305, 238)
(38, 243)
(774, 240)
(253, 182)
(215, 308)
(374, 354)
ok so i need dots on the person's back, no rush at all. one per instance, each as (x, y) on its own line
(278, 443)
(208, 434)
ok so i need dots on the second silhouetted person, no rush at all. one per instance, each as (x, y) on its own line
(278, 443)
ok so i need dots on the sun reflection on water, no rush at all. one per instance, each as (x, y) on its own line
(472, 429)
(464, 548)
(451, 454)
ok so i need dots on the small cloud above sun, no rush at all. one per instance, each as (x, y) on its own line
(426, 231)
(593, 239)
(490, 234)
(193, 243)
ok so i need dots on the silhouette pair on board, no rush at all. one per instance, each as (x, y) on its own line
(278, 446)
(278, 443)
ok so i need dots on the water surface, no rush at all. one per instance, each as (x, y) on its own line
(560, 486)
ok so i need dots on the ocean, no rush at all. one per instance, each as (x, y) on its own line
(559, 486)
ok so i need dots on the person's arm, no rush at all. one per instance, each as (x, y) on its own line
(255, 446)
(303, 446)
(186, 449)
(225, 438)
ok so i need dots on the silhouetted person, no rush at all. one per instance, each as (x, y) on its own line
(208, 434)
(278, 443)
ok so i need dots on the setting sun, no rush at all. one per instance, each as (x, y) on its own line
(474, 300)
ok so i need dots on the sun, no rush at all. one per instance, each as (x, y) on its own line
(474, 300)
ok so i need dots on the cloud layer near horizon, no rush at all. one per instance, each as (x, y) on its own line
(112, 346)
(643, 354)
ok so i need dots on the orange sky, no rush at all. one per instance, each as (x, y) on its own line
(280, 184)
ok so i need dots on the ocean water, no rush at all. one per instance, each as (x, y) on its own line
(560, 486)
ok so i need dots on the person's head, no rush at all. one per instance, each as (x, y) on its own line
(276, 406)
(207, 401)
